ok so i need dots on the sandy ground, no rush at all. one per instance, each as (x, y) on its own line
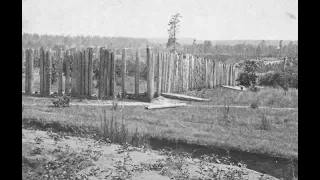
(104, 167)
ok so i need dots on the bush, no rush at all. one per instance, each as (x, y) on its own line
(62, 101)
(254, 105)
(265, 122)
(280, 79)
(248, 77)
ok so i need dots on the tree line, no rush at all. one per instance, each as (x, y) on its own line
(66, 42)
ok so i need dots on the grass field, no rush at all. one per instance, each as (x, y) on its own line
(269, 97)
(240, 129)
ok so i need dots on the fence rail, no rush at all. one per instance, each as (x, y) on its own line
(166, 72)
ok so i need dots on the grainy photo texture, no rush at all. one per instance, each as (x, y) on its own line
(161, 89)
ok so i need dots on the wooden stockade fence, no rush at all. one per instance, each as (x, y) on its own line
(166, 72)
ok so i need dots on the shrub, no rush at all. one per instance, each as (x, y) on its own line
(62, 101)
(265, 122)
(248, 77)
(280, 79)
(254, 105)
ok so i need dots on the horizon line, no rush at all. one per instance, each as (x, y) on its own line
(53, 34)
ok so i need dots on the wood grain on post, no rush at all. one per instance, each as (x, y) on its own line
(83, 73)
(159, 71)
(41, 64)
(183, 68)
(164, 67)
(218, 73)
(86, 72)
(137, 74)
(90, 71)
(226, 74)
(210, 74)
(60, 81)
(221, 74)
(149, 76)
(26, 72)
(206, 70)
(23, 55)
(47, 73)
(162, 72)
(192, 72)
(214, 74)
(166, 56)
(204, 74)
(193, 64)
(123, 74)
(112, 74)
(152, 67)
(189, 71)
(73, 74)
(176, 73)
(181, 73)
(232, 75)
(101, 75)
(173, 63)
(107, 71)
(79, 72)
(67, 81)
(200, 73)
(217, 64)
(170, 67)
(30, 71)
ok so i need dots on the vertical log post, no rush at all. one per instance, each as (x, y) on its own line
(149, 76)
(78, 73)
(86, 72)
(123, 74)
(90, 71)
(170, 62)
(101, 74)
(162, 57)
(47, 73)
(67, 81)
(107, 70)
(112, 74)
(137, 74)
(73, 75)
(27, 71)
(165, 66)
(206, 82)
(60, 80)
(159, 70)
(41, 73)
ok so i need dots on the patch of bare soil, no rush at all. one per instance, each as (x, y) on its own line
(48, 155)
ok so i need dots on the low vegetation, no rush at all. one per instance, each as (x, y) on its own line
(85, 159)
(200, 125)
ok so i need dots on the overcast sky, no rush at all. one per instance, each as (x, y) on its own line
(201, 19)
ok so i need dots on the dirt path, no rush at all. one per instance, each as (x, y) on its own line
(107, 160)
